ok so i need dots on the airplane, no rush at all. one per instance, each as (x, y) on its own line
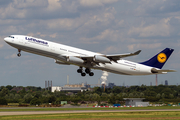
(67, 55)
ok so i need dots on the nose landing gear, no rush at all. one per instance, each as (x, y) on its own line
(19, 54)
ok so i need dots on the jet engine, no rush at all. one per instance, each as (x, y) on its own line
(62, 58)
(60, 62)
(101, 59)
(75, 60)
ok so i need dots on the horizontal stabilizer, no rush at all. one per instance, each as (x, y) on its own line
(153, 70)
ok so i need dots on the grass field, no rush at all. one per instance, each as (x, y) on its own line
(68, 109)
(175, 115)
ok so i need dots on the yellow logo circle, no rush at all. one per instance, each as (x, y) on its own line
(161, 57)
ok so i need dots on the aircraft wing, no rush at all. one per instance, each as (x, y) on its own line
(118, 56)
(106, 58)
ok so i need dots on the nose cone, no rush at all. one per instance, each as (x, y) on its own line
(6, 39)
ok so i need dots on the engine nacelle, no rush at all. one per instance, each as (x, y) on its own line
(60, 62)
(75, 60)
(62, 58)
(101, 59)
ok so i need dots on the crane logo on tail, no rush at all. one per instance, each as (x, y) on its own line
(161, 57)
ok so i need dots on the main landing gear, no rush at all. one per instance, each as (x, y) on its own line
(87, 70)
(19, 54)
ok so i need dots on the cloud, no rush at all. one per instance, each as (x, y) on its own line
(106, 35)
(5, 2)
(54, 5)
(11, 56)
(157, 7)
(53, 35)
(38, 9)
(11, 12)
(1, 42)
(143, 46)
(11, 30)
(95, 3)
(63, 24)
(162, 28)
(29, 4)
(111, 49)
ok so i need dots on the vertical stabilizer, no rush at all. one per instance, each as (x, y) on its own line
(160, 59)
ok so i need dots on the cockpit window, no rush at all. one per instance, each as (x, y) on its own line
(11, 36)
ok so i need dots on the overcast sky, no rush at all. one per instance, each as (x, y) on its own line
(105, 26)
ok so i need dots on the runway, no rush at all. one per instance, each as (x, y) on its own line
(78, 111)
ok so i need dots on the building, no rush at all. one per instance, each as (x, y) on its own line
(166, 82)
(74, 85)
(150, 83)
(70, 88)
(87, 86)
(111, 85)
(137, 102)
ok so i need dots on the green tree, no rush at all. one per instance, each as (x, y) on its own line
(98, 90)
(35, 101)
(76, 100)
(3, 101)
(131, 95)
(136, 94)
(17, 97)
(27, 98)
(87, 97)
(9, 87)
(4, 92)
(51, 99)
(163, 95)
(2, 88)
(141, 94)
(158, 96)
(104, 96)
(38, 94)
(95, 97)
(111, 98)
(124, 95)
(11, 96)
(119, 97)
(117, 89)
(171, 96)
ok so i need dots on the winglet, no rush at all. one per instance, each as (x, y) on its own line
(137, 52)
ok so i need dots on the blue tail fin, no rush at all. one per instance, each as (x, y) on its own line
(160, 59)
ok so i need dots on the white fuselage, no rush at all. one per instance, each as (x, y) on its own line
(56, 50)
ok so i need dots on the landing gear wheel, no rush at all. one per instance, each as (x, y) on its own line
(19, 54)
(83, 74)
(91, 74)
(87, 70)
(79, 70)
